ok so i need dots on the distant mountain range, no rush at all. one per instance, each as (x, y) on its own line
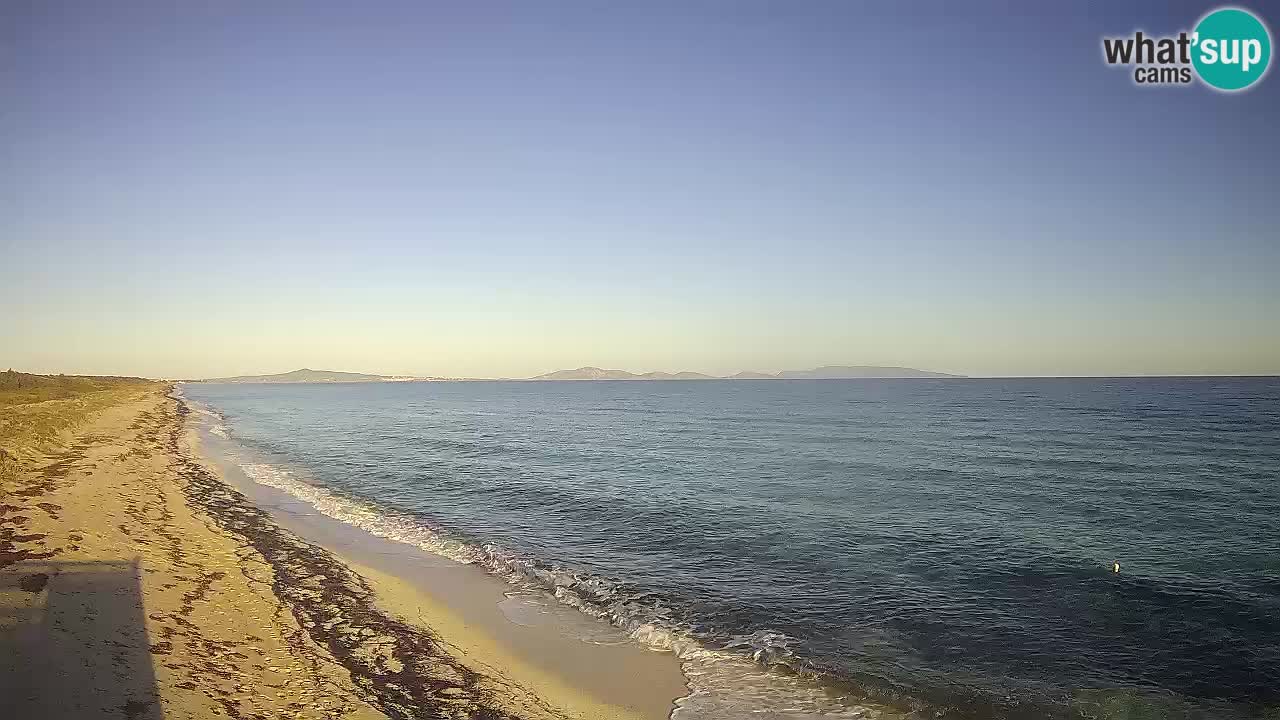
(841, 372)
(595, 373)
(312, 376)
(826, 372)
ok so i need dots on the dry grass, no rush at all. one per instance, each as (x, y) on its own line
(36, 411)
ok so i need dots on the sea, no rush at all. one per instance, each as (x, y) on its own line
(913, 548)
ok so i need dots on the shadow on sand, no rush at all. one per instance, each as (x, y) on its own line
(73, 643)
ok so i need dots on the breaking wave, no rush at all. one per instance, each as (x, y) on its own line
(727, 677)
(217, 421)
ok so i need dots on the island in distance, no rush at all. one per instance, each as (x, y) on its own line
(306, 375)
(827, 372)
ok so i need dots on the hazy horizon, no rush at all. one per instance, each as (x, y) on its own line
(506, 190)
(640, 371)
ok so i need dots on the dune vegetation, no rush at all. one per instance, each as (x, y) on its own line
(36, 410)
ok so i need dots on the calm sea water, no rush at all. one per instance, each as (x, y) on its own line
(943, 547)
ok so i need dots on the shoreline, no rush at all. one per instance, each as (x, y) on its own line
(137, 580)
(608, 677)
(703, 680)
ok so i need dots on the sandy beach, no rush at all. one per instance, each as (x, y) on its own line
(136, 582)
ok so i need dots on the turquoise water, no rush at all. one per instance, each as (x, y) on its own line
(943, 547)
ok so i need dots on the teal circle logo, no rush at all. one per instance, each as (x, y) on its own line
(1231, 49)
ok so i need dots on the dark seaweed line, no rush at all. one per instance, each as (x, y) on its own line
(403, 669)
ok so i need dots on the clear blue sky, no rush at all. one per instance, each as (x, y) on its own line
(501, 189)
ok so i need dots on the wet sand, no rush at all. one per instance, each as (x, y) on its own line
(135, 582)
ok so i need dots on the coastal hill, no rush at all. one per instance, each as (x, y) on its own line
(306, 375)
(595, 373)
(838, 372)
(751, 375)
(827, 372)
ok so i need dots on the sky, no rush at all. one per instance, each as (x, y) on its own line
(499, 189)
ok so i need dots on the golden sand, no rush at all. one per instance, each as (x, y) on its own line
(135, 583)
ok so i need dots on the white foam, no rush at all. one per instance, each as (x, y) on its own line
(375, 521)
(724, 684)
